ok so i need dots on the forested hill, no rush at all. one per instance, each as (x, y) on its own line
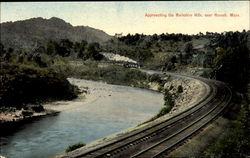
(29, 34)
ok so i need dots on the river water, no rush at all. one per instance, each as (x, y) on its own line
(106, 110)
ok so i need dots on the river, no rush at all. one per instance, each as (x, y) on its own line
(106, 109)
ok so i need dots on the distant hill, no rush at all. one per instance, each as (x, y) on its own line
(30, 33)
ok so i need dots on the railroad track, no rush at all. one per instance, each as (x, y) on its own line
(162, 137)
(166, 144)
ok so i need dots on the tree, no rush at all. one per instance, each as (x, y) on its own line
(220, 55)
(20, 58)
(93, 51)
(154, 37)
(188, 48)
(10, 50)
(38, 60)
(2, 50)
(65, 47)
(52, 48)
(6, 57)
(232, 61)
(187, 53)
(40, 49)
(180, 89)
(80, 48)
(173, 59)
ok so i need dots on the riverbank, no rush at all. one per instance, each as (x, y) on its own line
(23, 84)
(12, 120)
(106, 109)
(81, 109)
(19, 115)
(193, 92)
(24, 87)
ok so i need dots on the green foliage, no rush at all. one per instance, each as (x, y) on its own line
(29, 84)
(188, 48)
(236, 142)
(40, 50)
(231, 62)
(27, 113)
(164, 110)
(36, 108)
(220, 54)
(180, 89)
(134, 47)
(111, 74)
(80, 48)
(154, 78)
(52, 47)
(168, 105)
(74, 146)
(2, 50)
(169, 101)
(141, 55)
(10, 50)
(93, 50)
(66, 48)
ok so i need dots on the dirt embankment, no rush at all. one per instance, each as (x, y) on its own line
(193, 92)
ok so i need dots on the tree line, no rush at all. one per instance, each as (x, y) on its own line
(63, 48)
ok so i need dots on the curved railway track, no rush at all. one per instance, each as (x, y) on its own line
(160, 138)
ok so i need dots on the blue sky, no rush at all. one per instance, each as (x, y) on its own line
(129, 17)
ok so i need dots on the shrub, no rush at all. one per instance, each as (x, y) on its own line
(27, 113)
(171, 87)
(235, 143)
(32, 85)
(168, 105)
(164, 110)
(154, 78)
(37, 108)
(179, 89)
(168, 99)
(74, 146)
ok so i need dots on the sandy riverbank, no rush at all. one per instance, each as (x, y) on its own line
(12, 120)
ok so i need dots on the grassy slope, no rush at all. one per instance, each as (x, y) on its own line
(228, 136)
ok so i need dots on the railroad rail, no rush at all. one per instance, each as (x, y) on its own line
(163, 136)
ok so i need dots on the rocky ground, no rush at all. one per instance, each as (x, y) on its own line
(193, 91)
(16, 115)
(11, 118)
